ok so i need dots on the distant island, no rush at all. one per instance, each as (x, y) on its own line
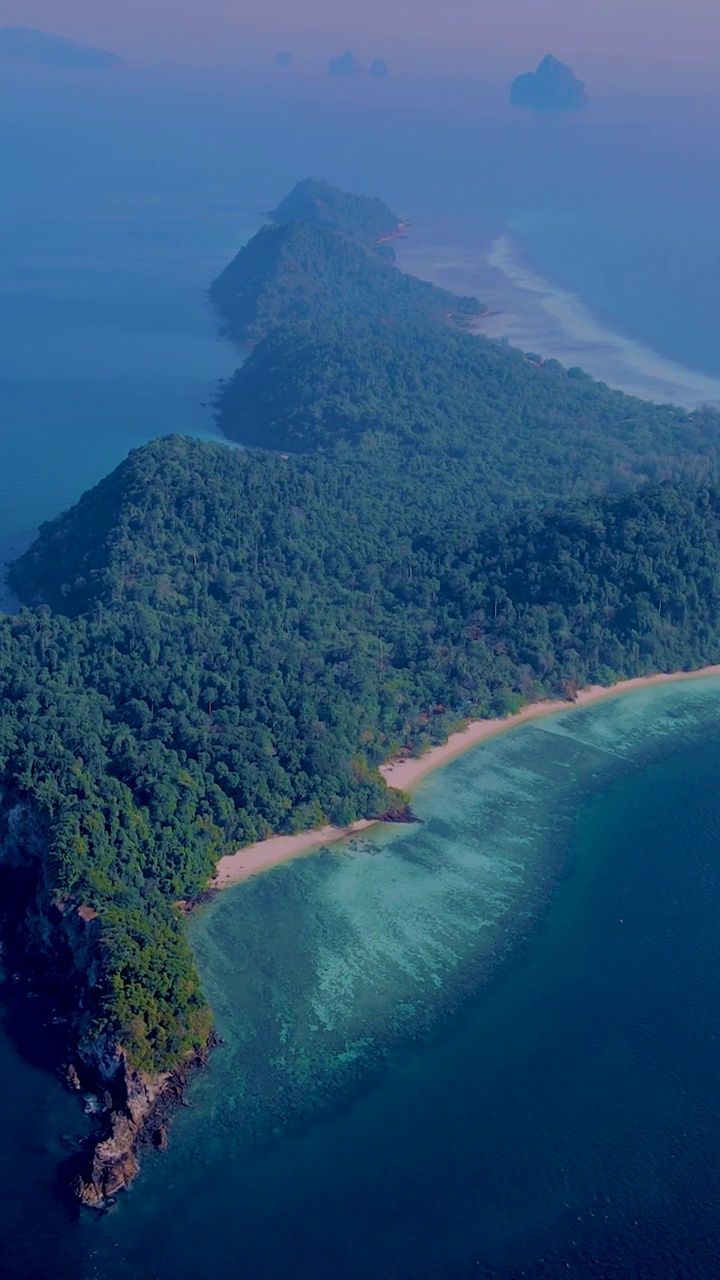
(425, 528)
(25, 44)
(283, 59)
(344, 65)
(553, 87)
(378, 68)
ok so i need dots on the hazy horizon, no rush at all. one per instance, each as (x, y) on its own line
(660, 35)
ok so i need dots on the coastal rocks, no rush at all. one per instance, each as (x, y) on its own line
(71, 1077)
(54, 945)
(114, 1164)
(553, 87)
(140, 1107)
(160, 1138)
(403, 813)
(113, 1159)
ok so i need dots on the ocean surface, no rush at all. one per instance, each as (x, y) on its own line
(486, 1045)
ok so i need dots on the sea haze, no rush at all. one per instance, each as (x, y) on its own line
(593, 236)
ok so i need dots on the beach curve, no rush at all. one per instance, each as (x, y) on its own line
(406, 772)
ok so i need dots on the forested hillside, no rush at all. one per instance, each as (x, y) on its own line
(326, 269)
(235, 641)
(219, 644)
(346, 348)
(521, 431)
(365, 218)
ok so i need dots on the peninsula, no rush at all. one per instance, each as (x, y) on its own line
(219, 646)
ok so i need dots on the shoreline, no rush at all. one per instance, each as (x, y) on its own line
(405, 774)
(535, 313)
(555, 319)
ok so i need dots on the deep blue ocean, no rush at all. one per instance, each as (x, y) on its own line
(486, 1046)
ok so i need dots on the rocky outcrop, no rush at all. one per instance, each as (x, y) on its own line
(140, 1105)
(345, 65)
(112, 1158)
(114, 1165)
(553, 87)
(23, 834)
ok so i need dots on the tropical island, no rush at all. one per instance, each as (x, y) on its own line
(426, 528)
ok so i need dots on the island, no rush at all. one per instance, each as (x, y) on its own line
(346, 64)
(426, 529)
(378, 68)
(283, 59)
(553, 87)
(25, 44)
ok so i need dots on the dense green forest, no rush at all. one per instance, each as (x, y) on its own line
(229, 643)
(219, 643)
(348, 350)
(365, 218)
(302, 271)
(519, 431)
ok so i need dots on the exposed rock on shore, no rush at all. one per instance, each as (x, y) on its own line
(141, 1105)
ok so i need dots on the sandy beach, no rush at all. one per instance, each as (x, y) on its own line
(535, 314)
(407, 772)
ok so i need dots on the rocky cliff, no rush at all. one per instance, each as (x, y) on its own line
(54, 944)
(137, 1106)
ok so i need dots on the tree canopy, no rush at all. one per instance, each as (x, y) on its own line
(218, 644)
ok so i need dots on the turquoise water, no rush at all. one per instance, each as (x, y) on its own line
(485, 1045)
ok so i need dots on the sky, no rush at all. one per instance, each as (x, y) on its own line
(673, 32)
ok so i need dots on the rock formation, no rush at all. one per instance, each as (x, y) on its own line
(140, 1105)
(553, 87)
(345, 65)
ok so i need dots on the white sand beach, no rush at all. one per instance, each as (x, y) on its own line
(535, 314)
(406, 772)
